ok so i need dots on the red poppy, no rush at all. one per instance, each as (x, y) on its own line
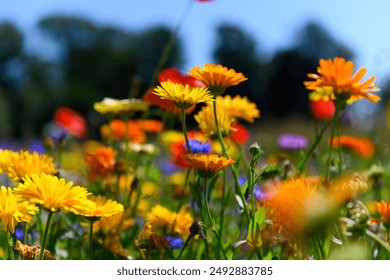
(240, 133)
(177, 77)
(322, 109)
(71, 121)
(177, 150)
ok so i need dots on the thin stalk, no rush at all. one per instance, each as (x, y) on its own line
(91, 239)
(41, 254)
(317, 141)
(11, 254)
(379, 240)
(213, 225)
(334, 122)
(185, 245)
(183, 123)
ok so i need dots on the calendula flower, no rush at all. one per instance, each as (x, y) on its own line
(54, 194)
(238, 107)
(23, 163)
(217, 77)
(100, 163)
(287, 203)
(174, 223)
(207, 165)
(150, 126)
(13, 210)
(383, 208)
(361, 146)
(31, 252)
(117, 130)
(347, 187)
(183, 96)
(206, 121)
(116, 107)
(113, 224)
(335, 80)
(103, 207)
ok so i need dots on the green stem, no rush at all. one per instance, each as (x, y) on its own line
(183, 123)
(213, 225)
(330, 149)
(317, 141)
(91, 240)
(11, 254)
(379, 240)
(41, 254)
(232, 168)
(185, 245)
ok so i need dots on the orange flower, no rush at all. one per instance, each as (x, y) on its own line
(383, 208)
(287, 203)
(101, 163)
(207, 165)
(360, 146)
(117, 130)
(151, 126)
(335, 80)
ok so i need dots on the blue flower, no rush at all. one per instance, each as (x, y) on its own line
(198, 147)
(176, 242)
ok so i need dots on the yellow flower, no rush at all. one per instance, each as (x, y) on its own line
(174, 223)
(23, 163)
(110, 106)
(238, 107)
(207, 165)
(113, 224)
(103, 207)
(217, 77)
(206, 121)
(54, 194)
(335, 79)
(13, 210)
(183, 96)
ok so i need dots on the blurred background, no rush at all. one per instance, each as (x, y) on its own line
(73, 53)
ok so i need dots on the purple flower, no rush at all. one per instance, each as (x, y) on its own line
(198, 147)
(292, 142)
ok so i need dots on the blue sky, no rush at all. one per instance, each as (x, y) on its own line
(361, 25)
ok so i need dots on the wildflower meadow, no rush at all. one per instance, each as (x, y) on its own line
(154, 187)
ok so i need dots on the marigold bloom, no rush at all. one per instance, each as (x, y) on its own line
(113, 224)
(117, 131)
(238, 107)
(103, 207)
(111, 106)
(287, 203)
(361, 146)
(183, 96)
(72, 121)
(101, 163)
(23, 163)
(150, 126)
(207, 165)
(336, 79)
(174, 223)
(383, 208)
(54, 194)
(13, 210)
(206, 121)
(217, 77)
